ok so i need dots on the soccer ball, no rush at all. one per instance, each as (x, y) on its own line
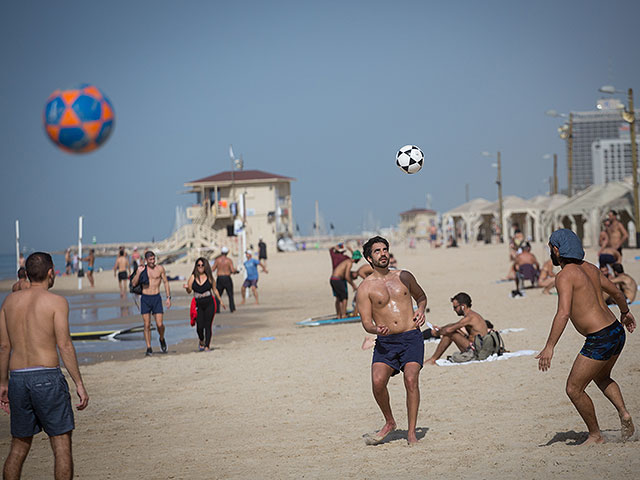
(78, 120)
(410, 159)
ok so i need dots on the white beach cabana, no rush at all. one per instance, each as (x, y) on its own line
(583, 213)
(468, 216)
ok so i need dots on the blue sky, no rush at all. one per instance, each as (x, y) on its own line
(325, 92)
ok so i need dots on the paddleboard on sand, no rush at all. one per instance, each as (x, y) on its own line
(330, 319)
(107, 334)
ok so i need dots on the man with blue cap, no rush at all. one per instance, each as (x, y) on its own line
(580, 285)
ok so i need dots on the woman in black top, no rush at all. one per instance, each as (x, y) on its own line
(202, 284)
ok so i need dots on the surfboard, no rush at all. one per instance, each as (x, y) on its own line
(107, 334)
(327, 320)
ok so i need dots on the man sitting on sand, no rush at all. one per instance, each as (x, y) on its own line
(526, 267)
(462, 332)
(547, 279)
(624, 282)
(579, 284)
(23, 282)
(608, 256)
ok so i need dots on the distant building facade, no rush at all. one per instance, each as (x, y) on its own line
(416, 222)
(611, 160)
(265, 199)
(590, 129)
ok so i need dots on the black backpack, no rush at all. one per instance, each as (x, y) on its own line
(143, 280)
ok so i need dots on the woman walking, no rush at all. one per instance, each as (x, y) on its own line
(202, 284)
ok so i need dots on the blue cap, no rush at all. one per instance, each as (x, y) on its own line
(568, 243)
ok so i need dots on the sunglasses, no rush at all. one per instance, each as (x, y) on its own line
(199, 264)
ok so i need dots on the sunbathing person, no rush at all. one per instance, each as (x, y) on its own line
(547, 279)
(463, 332)
(527, 268)
(624, 282)
(608, 256)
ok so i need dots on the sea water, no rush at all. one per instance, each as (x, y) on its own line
(8, 264)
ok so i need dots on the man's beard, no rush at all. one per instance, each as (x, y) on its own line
(382, 262)
(554, 259)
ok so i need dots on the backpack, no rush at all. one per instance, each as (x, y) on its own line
(488, 345)
(143, 280)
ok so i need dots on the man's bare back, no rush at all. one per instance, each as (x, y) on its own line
(627, 284)
(122, 264)
(34, 318)
(526, 258)
(223, 265)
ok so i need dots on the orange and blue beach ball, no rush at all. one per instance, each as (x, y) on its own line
(78, 120)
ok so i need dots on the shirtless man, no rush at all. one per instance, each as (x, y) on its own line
(340, 276)
(386, 309)
(224, 266)
(526, 267)
(624, 282)
(608, 256)
(616, 231)
(579, 284)
(91, 260)
(23, 281)
(462, 332)
(547, 279)
(121, 268)
(150, 300)
(33, 390)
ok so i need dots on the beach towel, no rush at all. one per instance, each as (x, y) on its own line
(520, 353)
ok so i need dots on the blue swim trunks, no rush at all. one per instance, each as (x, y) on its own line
(605, 343)
(39, 400)
(398, 349)
(151, 304)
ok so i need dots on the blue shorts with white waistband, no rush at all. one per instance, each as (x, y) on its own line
(398, 349)
(39, 400)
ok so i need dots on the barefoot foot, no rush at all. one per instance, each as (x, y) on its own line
(378, 437)
(593, 439)
(627, 427)
(368, 343)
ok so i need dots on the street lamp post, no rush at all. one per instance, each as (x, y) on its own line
(553, 181)
(499, 183)
(566, 133)
(630, 117)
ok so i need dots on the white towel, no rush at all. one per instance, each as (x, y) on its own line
(504, 356)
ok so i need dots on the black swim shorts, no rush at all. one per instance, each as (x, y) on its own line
(339, 287)
(605, 343)
(398, 349)
(39, 400)
(123, 276)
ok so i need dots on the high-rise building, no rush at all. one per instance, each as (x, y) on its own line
(611, 159)
(589, 127)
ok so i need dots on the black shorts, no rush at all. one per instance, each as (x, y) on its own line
(605, 343)
(339, 287)
(39, 400)
(398, 349)
(123, 276)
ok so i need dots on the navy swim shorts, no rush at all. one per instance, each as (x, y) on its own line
(398, 349)
(39, 400)
(151, 304)
(605, 343)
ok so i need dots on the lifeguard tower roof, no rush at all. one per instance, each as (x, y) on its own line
(243, 176)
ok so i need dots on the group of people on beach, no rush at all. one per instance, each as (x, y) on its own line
(35, 394)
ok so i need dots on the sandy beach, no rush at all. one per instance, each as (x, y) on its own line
(297, 405)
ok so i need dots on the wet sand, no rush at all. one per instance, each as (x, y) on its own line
(298, 405)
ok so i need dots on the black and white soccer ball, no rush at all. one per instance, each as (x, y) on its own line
(410, 159)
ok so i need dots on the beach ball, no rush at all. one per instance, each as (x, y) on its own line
(410, 159)
(78, 120)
